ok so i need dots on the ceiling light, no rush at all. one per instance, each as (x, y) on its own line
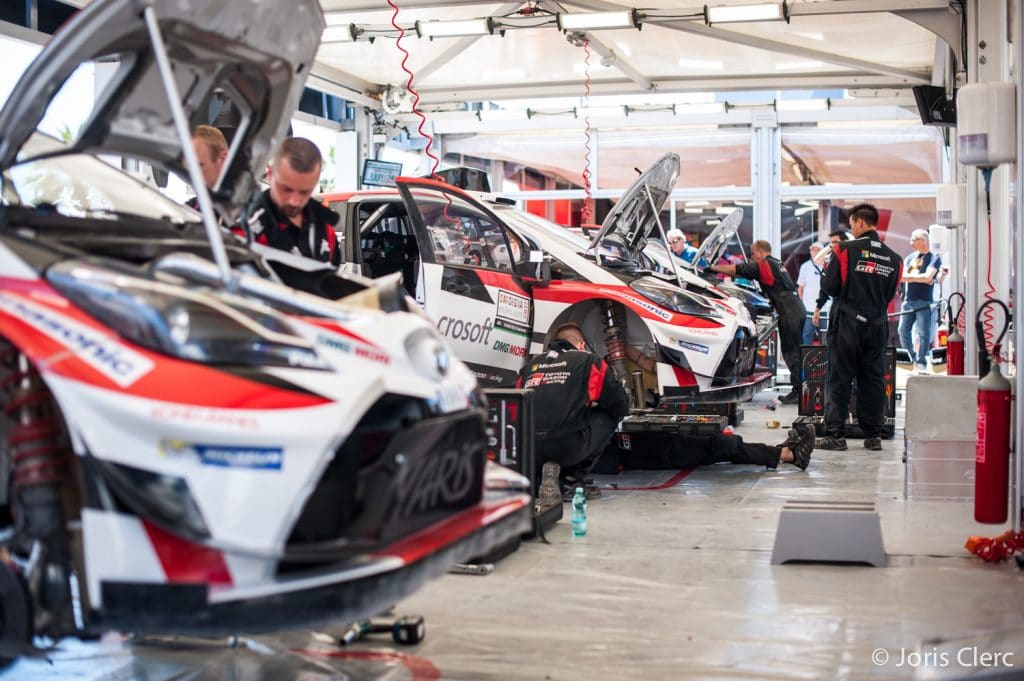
(339, 34)
(772, 11)
(598, 20)
(451, 29)
(710, 64)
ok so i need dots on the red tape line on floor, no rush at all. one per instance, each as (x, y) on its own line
(671, 482)
(421, 669)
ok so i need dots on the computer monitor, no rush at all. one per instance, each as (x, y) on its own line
(934, 107)
(380, 173)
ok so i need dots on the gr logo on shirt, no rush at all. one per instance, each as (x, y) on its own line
(458, 329)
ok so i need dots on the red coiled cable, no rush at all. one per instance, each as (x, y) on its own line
(988, 317)
(586, 213)
(410, 88)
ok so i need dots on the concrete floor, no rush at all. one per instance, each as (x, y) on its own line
(672, 583)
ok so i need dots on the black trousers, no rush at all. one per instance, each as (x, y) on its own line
(581, 449)
(657, 451)
(856, 350)
(791, 334)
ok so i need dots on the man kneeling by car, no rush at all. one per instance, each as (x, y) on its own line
(578, 402)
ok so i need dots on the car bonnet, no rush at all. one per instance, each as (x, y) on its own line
(719, 238)
(634, 217)
(256, 53)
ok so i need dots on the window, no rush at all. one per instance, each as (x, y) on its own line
(462, 235)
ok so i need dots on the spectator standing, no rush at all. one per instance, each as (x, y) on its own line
(808, 285)
(917, 321)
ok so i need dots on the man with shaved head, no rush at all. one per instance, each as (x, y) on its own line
(288, 217)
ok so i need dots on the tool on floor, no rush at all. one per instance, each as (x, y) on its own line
(406, 631)
(471, 569)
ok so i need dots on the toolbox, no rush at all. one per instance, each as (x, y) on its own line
(682, 424)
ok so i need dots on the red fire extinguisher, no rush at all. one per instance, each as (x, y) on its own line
(992, 449)
(955, 340)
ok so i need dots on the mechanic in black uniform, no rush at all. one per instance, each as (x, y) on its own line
(862, 278)
(781, 291)
(578, 402)
(286, 216)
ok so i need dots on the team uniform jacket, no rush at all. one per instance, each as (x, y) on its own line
(316, 238)
(863, 276)
(775, 280)
(567, 383)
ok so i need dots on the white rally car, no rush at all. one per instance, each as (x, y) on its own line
(186, 444)
(530, 276)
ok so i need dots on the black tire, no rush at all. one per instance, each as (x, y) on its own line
(15, 615)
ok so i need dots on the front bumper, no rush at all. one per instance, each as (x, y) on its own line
(355, 589)
(742, 390)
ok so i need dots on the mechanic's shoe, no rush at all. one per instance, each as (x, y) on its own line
(802, 448)
(792, 398)
(837, 444)
(590, 491)
(873, 443)
(548, 494)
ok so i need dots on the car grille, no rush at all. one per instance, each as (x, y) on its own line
(738, 360)
(400, 470)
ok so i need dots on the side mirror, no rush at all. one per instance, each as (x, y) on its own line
(537, 268)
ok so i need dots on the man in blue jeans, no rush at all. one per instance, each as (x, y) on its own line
(920, 269)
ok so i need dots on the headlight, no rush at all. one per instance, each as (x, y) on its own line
(428, 354)
(185, 324)
(673, 298)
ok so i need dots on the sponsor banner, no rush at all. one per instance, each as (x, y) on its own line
(512, 327)
(227, 456)
(650, 307)
(204, 416)
(472, 332)
(513, 308)
(874, 268)
(352, 348)
(97, 349)
(513, 349)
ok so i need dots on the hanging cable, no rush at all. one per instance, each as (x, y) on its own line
(989, 319)
(586, 214)
(408, 86)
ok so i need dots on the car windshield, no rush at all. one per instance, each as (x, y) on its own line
(83, 186)
(533, 224)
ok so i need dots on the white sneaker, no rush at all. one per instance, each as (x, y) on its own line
(923, 369)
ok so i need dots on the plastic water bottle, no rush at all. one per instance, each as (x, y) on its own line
(579, 513)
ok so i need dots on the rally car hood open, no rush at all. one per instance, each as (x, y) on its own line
(711, 248)
(254, 54)
(635, 216)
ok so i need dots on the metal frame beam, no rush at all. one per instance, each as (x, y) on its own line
(908, 77)
(811, 81)
(344, 85)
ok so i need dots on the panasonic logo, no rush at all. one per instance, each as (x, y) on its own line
(121, 365)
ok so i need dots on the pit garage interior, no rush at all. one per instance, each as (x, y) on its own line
(792, 112)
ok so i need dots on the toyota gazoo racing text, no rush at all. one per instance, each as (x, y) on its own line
(498, 281)
(188, 445)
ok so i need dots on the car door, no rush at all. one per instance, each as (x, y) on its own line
(470, 283)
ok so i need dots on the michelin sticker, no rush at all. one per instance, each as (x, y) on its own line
(227, 456)
(687, 345)
(104, 354)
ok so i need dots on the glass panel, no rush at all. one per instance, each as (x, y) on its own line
(461, 234)
(708, 156)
